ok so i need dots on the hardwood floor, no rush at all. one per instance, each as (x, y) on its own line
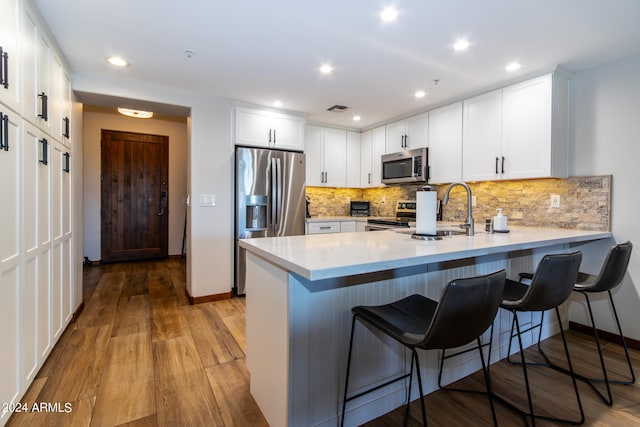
(140, 355)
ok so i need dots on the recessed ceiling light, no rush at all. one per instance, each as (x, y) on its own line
(117, 61)
(138, 114)
(389, 14)
(513, 66)
(461, 45)
(326, 69)
(277, 103)
(356, 118)
(420, 94)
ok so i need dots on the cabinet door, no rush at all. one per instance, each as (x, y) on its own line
(44, 82)
(10, 265)
(335, 157)
(9, 42)
(445, 144)
(377, 151)
(396, 133)
(29, 54)
(314, 151)
(288, 132)
(417, 131)
(481, 137)
(353, 159)
(365, 159)
(55, 99)
(526, 129)
(252, 127)
(65, 108)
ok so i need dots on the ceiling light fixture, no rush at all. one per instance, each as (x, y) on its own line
(277, 103)
(326, 69)
(138, 114)
(356, 118)
(461, 45)
(514, 66)
(420, 94)
(117, 61)
(389, 14)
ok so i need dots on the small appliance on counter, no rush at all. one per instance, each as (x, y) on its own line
(360, 208)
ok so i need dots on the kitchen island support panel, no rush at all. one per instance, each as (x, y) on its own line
(298, 334)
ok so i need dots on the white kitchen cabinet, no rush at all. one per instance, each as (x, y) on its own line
(324, 227)
(10, 260)
(353, 160)
(372, 147)
(518, 132)
(265, 128)
(409, 133)
(445, 144)
(534, 128)
(348, 226)
(326, 152)
(10, 18)
(60, 102)
(481, 137)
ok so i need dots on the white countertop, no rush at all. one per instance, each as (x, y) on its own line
(324, 256)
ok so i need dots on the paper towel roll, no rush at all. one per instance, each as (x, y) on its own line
(426, 212)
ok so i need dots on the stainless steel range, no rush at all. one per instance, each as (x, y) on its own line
(405, 214)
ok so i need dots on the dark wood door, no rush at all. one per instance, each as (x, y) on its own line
(134, 211)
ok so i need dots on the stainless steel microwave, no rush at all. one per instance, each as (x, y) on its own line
(406, 167)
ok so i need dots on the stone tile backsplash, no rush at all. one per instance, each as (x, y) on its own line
(585, 202)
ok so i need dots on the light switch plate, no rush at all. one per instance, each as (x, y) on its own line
(555, 200)
(207, 200)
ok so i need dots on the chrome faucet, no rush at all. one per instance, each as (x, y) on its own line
(469, 223)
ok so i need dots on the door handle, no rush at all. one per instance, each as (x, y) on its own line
(497, 160)
(66, 127)
(65, 168)
(1, 131)
(45, 101)
(502, 164)
(274, 136)
(45, 151)
(161, 212)
(4, 69)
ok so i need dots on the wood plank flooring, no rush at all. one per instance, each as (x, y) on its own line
(140, 355)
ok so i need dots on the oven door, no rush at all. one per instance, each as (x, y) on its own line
(378, 227)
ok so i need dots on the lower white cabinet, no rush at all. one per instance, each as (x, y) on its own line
(323, 227)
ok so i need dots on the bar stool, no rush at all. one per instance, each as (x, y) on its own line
(610, 276)
(550, 286)
(466, 309)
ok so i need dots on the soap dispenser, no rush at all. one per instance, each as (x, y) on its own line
(500, 222)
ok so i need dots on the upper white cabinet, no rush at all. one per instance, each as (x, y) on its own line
(353, 159)
(372, 147)
(518, 132)
(410, 133)
(326, 152)
(265, 128)
(445, 144)
(9, 54)
(482, 121)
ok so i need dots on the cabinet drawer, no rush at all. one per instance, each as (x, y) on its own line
(347, 226)
(324, 227)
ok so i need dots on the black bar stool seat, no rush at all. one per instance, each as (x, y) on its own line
(551, 285)
(466, 309)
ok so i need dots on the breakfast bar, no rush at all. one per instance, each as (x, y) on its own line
(300, 291)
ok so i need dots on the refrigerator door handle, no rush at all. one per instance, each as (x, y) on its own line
(272, 195)
(278, 194)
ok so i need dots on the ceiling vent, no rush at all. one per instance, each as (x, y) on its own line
(338, 108)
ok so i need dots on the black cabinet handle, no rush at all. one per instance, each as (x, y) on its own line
(502, 164)
(66, 127)
(5, 122)
(45, 151)
(497, 160)
(66, 162)
(1, 131)
(274, 136)
(269, 135)
(45, 101)
(4, 69)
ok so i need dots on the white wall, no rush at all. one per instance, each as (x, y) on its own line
(210, 229)
(605, 139)
(94, 122)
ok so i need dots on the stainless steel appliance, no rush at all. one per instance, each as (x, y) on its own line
(269, 199)
(405, 215)
(360, 208)
(406, 167)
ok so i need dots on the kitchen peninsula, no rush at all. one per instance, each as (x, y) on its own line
(300, 290)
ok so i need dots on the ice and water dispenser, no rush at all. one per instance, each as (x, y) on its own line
(256, 214)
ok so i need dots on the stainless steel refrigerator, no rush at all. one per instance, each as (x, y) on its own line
(269, 199)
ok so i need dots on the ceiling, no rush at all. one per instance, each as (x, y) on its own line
(257, 51)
